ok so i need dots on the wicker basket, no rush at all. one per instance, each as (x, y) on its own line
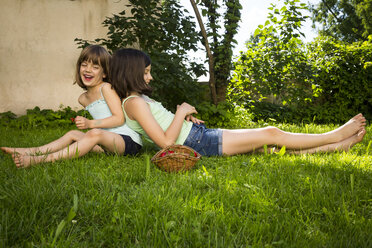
(176, 158)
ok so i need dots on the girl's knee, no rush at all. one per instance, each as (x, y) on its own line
(95, 133)
(273, 131)
(75, 134)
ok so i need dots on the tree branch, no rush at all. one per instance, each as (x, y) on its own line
(212, 82)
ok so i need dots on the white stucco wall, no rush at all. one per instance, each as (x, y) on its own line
(38, 52)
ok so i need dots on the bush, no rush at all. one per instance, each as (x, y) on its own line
(273, 76)
(343, 76)
(329, 81)
(282, 78)
(42, 118)
(224, 115)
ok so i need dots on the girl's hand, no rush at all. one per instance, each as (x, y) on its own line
(194, 119)
(187, 109)
(82, 122)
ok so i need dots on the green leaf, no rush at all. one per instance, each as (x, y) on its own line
(58, 231)
(281, 152)
(70, 215)
(75, 206)
(256, 32)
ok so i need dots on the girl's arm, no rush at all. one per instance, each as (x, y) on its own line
(138, 110)
(114, 104)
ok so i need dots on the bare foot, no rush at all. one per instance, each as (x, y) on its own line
(353, 126)
(343, 145)
(348, 143)
(23, 161)
(8, 150)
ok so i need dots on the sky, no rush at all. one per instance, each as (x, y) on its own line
(254, 13)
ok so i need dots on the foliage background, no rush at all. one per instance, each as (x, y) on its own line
(279, 77)
(346, 20)
(166, 32)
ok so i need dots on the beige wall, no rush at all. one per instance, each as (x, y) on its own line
(38, 52)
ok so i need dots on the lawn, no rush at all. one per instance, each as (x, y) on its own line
(261, 200)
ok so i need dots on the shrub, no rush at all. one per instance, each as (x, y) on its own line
(280, 77)
(343, 76)
(42, 118)
(224, 115)
(273, 74)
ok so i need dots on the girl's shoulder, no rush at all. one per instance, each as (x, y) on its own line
(133, 106)
(138, 99)
(106, 86)
(108, 89)
(133, 100)
(83, 99)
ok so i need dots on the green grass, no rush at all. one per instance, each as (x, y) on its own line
(322, 200)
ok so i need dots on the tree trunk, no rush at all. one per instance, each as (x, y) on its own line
(212, 80)
(221, 92)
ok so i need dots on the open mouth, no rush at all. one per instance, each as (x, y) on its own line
(88, 78)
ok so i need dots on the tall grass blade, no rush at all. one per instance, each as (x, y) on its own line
(147, 161)
(205, 171)
(265, 149)
(58, 231)
(77, 152)
(75, 202)
(352, 183)
(71, 215)
(369, 146)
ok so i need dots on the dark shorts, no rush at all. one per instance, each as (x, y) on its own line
(131, 147)
(207, 142)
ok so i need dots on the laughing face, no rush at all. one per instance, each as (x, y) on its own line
(91, 74)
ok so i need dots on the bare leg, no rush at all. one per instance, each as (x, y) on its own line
(56, 145)
(111, 141)
(343, 145)
(247, 140)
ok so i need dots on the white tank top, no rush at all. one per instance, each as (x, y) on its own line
(100, 110)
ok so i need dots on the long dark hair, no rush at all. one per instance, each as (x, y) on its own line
(96, 54)
(127, 72)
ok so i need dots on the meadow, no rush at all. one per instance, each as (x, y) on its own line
(252, 200)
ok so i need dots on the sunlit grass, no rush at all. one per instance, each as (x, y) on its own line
(322, 200)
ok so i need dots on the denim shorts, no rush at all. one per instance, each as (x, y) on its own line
(131, 147)
(207, 142)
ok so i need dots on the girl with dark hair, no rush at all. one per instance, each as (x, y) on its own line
(131, 75)
(107, 132)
